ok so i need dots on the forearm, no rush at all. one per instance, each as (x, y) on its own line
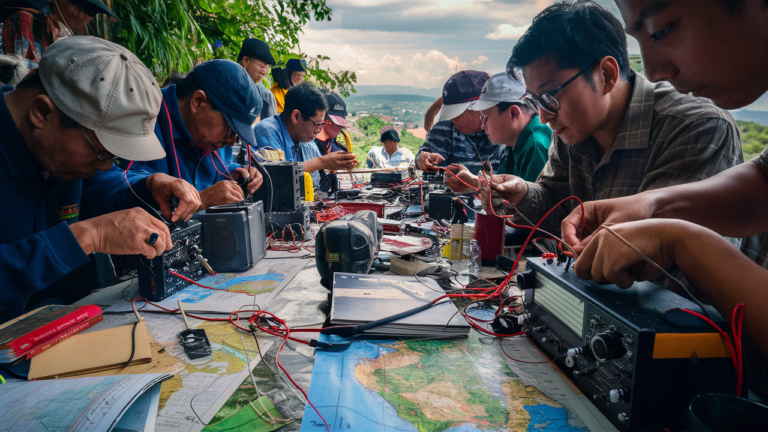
(313, 165)
(732, 203)
(539, 200)
(725, 276)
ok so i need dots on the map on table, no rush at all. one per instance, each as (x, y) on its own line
(459, 385)
(258, 286)
(198, 388)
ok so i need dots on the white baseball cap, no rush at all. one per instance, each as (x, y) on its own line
(104, 87)
(501, 87)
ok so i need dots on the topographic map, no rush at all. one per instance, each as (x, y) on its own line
(461, 385)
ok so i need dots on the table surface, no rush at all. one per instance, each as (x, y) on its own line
(303, 303)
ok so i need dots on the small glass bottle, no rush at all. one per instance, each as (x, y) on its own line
(474, 258)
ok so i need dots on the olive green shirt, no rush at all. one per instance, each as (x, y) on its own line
(529, 155)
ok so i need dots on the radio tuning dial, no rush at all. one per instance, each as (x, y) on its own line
(607, 346)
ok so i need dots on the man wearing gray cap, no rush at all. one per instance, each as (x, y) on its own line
(507, 120)
(89, 102)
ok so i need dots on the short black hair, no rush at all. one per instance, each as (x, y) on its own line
(306, 98)
(33, 80)
(575, 35)
(282, 77)
(186, 84)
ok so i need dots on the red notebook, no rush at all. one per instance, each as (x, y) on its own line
(66, 334)
(44, 324)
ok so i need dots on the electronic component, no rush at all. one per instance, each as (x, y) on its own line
(639, 370)
(358, 205)
(282, 188)
(282, 224)
(388, 178)
(233, 236)
(185, 258)
(414, 211)
(347, 245)
(441, 205)
(432, 176)
(348, 194)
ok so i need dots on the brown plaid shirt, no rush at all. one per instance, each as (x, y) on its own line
(667, 138)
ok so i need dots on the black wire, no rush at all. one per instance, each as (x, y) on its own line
(133, 346)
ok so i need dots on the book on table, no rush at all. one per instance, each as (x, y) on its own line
(360, 299)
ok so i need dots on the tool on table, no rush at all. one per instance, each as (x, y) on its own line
(194, 341)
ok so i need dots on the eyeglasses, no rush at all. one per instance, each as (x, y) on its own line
(547, 101)
(318, 125)
(100, 155)
(230, 131)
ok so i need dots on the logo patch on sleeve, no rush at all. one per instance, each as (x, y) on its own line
(69, 212)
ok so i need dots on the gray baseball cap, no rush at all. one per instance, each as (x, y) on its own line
(499, 88)
(104, 87)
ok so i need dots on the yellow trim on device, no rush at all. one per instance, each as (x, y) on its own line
(684, 345)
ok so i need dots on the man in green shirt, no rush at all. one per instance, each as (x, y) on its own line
(507, 121)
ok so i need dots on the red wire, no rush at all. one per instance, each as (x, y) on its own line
(173, 144)
(228, 174)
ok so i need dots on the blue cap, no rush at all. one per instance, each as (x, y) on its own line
(296, 65)
(233, 91)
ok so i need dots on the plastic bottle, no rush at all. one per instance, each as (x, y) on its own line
(474, 258)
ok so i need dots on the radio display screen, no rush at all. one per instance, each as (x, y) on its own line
(564, 306)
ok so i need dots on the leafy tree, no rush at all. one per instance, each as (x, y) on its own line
(371, 126)
(754, 138)
(174, 35)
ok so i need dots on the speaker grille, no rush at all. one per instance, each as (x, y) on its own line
(222, 243)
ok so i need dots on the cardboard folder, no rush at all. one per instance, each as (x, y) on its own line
(92, 352)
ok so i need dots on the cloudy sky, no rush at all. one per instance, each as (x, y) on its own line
(421, 43)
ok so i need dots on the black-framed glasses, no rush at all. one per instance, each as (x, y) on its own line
(548, 100)
(100, 155)
(230, 129)
(318, 125)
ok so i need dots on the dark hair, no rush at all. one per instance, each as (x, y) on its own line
(282, 77)
(306, 98)
(504, 106)
(186, 84)
(574, 35)
(33, 80)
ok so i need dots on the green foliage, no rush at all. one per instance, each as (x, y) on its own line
(754, 138)
(371, 126)
(175, 35)
(636, 63)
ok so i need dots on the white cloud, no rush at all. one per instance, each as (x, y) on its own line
(480, 60)
(507, 32)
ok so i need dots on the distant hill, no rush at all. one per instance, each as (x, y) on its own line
(380, 98)
(760, 117)
(364, 90)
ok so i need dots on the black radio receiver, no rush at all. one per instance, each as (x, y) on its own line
(622, 349)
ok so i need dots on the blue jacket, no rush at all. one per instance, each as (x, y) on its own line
(198, 168)
(37, 248)
(272, 133)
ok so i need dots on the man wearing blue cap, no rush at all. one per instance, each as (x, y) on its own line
(202, 113)
(256, 59)
(297, 73)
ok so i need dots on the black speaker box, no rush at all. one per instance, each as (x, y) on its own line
(282, 186)
(233, 236)
(297, 221)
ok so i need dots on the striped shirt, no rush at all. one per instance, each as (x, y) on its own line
(455, 147)
(667, 138)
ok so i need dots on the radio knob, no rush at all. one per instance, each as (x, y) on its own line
(615, 395)
(607, 346)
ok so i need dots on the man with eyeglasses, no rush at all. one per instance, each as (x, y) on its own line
(291, 133)
(256, 59)
(202, 114)
(89, 102)
(507, 120)
(616, 134)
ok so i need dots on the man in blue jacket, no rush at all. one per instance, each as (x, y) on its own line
(200, 117)
(89, 102)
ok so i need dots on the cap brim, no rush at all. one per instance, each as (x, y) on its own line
(103, 8)
(243, 130)
(481, 105)
(450, 112)
(338, 120)
(140, 149)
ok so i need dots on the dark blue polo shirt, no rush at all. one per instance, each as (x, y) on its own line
(195, 166)
(37, 248)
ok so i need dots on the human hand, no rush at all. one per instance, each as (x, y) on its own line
(464, 175)
(163, 187)
(429, 161)
(257, 179)
(509, 187)
(339, 161)
(221, 193)
(604, 212)
(125, 232)
(606, 259)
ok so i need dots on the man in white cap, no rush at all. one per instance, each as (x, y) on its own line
(89, 102)
(507, 120)
(457, 137)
